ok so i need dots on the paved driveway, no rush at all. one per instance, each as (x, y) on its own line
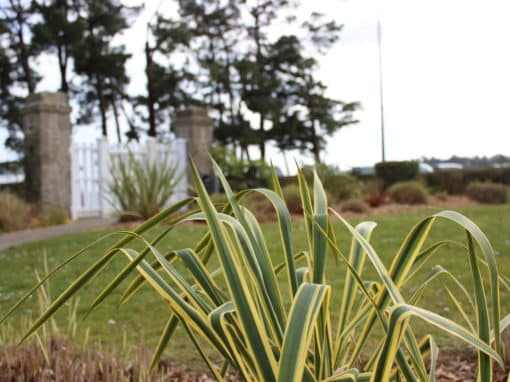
(20, 237)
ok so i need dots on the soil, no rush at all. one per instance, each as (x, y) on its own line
(434, 203)
(462, 368)
(450, 368)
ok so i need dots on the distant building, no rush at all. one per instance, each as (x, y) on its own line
(449, 166)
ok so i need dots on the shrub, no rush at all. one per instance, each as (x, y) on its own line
(408, 193)
(271, 331)
(491, 193)
(286, 180)
(140, 188)
(495, 175)
(339, 185)
(354, 205)
(219, 200)
(259, 205)
(293, 199)
(241, 173)
(323, 170)
(373, 193)
(56, 216)
(456, 181)
(442, 196)
(397, 171)
(451, 181)
(343, 187)
(14, 212)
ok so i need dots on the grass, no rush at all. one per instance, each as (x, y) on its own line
(110, 323)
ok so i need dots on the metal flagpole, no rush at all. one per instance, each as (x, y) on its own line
(381, 88)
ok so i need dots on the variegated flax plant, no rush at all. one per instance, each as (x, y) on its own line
(269, 331)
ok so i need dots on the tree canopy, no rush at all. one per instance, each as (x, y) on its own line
(260, 86)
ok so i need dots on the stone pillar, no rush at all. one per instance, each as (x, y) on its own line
(47, 128)
(196, 127)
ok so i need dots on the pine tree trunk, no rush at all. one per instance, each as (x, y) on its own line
(117, 124)
(316, 148)
(62, 64)
(149, 71)
(23, 54)
(102, 107)
(262, 139)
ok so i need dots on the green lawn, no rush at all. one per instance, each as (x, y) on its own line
(143, 317)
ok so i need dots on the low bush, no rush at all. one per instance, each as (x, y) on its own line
(408, 193)
(259, 205)
(56, 216)
(219, 200)
(141, 187)
(323, 170)
(396, 171)
(292, 198)
(340, 186)
(373, 193)
(287, 180)
(241, 172)
(14, 212)
(269, 316)
(442, 196)
(354, 205)
(343, 187)
(487, 192)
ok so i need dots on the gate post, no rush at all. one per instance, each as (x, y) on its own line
(47, 149)
(196, 127)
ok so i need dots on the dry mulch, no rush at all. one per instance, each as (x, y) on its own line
(456, 368)
(433, 203)
(27, 363)
(450, 369)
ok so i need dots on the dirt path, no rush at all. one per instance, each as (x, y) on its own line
(8, 240)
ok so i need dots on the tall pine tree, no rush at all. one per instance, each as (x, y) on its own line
(256, 71)
(98, 61)
(166, 83)
(58, 32)
(18, 77)
(218, 36)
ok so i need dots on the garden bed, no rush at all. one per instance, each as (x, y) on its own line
(110, 323)
(27, 363)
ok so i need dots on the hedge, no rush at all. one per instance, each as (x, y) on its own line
(396, 171)
(456, 181)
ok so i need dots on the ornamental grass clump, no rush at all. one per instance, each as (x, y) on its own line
(275, 321)
(141, 187)
(14, 212)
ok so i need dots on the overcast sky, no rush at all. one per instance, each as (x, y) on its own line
(446, 78)
(446, 75)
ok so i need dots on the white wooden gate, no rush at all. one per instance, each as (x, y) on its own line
(90, 171)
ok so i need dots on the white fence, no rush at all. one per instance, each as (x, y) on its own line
(90, 172)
